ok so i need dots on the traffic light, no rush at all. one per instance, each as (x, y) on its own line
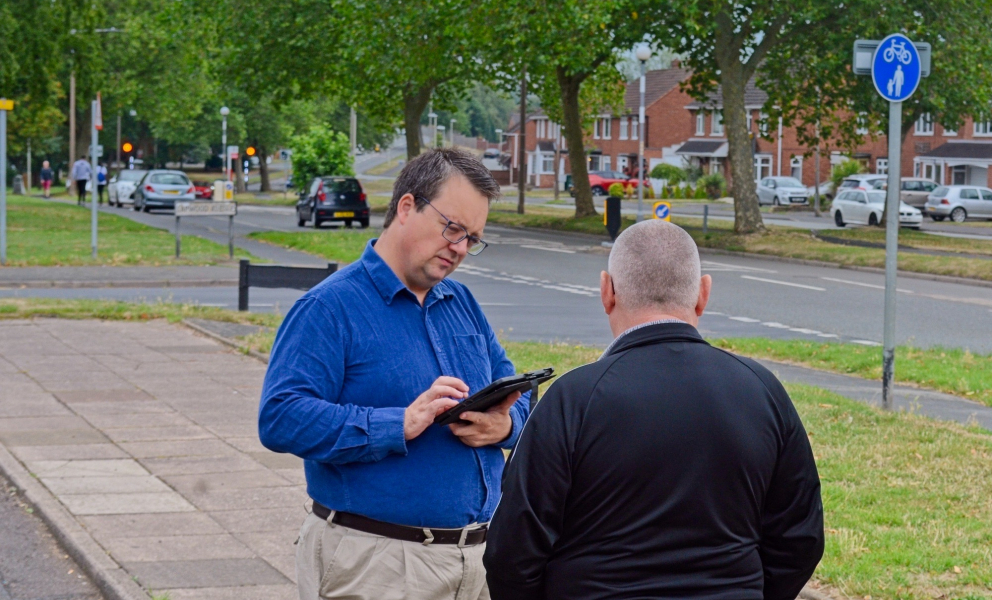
(127, 147)
(250, 151)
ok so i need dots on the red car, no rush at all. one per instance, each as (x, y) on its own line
(204, 190)
(600, 182)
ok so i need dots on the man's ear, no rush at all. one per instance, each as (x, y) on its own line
(607, 293)
(405, 207)
(705, 287)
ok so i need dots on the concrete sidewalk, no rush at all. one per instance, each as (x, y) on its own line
(146, 436)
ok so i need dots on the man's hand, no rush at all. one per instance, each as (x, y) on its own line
(485, 428)
(442, 395)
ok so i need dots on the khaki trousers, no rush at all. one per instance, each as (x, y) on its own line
(338, 563)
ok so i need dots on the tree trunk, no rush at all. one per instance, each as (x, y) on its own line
(572, 117)
(747, 216)
(414, 104)
(263, 169)
(557, 164)
(522, 189)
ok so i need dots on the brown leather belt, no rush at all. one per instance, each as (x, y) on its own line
(468, 536)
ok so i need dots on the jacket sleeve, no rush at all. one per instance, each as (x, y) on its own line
(299, 412)
(792, 517)
(530, 515)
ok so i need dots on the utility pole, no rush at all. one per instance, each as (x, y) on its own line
(816, 184)
(643, 53)
(27, 184)
(96, 119)
(5, 105)
(354, 131)
(72, 126)
(118, 140)
(522, 184)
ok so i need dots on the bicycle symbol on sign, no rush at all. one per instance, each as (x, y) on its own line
(897, 50)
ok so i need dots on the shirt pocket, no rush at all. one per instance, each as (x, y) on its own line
(472, 361)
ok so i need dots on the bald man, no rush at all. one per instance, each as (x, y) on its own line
(666, 469)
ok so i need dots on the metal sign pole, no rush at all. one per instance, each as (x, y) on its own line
(93, 178)
(178, 239)
(230, 236)
(891, 253)
(3, 184)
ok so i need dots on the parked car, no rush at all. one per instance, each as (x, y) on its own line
(959, 202)
(826, 190)
(491, 153)
(162, 188)
(120, 188)
(867, 207)
(600, 182)
(782, 191)
(862, 181)
(912, 190)
(333, 199)
(204, 190)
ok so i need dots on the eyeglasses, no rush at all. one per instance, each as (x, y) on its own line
(455, 233)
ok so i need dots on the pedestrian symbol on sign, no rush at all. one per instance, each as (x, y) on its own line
(896, 68)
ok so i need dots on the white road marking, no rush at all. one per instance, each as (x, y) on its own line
(775, 325)
(744, 319)
(562, 250)
(710, 265)
(218, 304)
(865, 342)
(867, 285)
(775, 281)
(806, 331)
(827, 335)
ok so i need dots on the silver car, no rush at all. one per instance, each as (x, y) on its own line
(959, 202)
(782, 191)
(867, 207)
(162, 188)
(121, 188)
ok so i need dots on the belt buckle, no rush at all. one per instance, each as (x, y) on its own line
(429, 539)
(463, 537)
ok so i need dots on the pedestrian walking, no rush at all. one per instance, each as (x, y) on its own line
(81, 174)
(46, 178)
(101, 180)
(667, 468)
(360, 368)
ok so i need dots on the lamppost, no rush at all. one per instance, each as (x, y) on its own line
(643, 53)
(452, 128)
(224, 111)
(499, 142)
(432, 123)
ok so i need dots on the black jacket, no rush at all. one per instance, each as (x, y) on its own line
(667, 469)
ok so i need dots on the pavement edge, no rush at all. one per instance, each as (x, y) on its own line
(111, 579)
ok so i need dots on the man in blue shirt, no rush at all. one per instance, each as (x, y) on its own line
(360, 368)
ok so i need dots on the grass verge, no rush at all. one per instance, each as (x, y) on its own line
(342, 245)
(26, 308)
(952, 371)
(45, 233)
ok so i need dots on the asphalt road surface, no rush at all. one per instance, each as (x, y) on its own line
(543, 286)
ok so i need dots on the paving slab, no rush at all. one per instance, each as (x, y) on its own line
(145, 435)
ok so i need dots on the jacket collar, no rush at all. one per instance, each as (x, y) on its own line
(656, 334)
(389, 285)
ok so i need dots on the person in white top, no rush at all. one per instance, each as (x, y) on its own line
(81, 173)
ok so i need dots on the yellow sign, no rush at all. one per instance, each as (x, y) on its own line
(663, 210)
(6, 104)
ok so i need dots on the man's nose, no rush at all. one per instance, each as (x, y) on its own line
(461, 248)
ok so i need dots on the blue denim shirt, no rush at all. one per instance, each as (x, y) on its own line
(349, 358)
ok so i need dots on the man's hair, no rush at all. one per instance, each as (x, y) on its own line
(655, 264)
(424, 175)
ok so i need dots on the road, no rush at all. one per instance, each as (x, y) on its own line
(543, 286)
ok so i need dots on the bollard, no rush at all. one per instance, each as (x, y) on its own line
(706, 218)
(18, 186)
(611, 217)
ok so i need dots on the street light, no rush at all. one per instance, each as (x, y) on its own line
(452, 133)
(499, 141)
(224, 111)
(432, 123)
(643, 53)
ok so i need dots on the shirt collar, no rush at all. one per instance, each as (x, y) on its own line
(635, 328)
(388, 284)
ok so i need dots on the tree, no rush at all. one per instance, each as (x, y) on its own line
(321, 152)
(565, 46)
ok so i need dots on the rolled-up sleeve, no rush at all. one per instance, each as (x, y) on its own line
(299, 411)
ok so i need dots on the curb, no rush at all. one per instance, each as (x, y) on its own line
(264, 358)
(113, 582)
(154, 283)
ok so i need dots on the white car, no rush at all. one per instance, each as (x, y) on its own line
(782, 191)
(121, 188)
(866, 208)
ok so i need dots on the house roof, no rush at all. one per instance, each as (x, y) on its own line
(656, 84)
(714, 148)
(753, 98)
(962, 149)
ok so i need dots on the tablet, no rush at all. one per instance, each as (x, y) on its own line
(494, 393)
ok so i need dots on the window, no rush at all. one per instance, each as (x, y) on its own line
(700, 123)
(796, 167)
(717, 123)
(595, 129)
(881, 166)
(169, 179)
(542, 129)
(750, 119)
(969, 194)
(607, 126)
(635, 128)
(983, 127)
(912, 186)
(986, 194)
(950, 132)
(547, 163)
(924, 125)
(763, 124)
(605, 163)
(594, 162)
(623, 162)
(862, 122)
(623, 127)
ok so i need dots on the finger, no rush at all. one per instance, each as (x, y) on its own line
(443, 391)
(452, 382)
(440, 405)
(504, 406)
(473, 416)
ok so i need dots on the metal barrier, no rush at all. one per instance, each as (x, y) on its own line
(278, 276)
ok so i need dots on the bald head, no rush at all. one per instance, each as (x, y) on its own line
(655, 266)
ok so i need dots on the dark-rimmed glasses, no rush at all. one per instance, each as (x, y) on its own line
(455, 233)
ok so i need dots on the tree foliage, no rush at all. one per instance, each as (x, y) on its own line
(321, 151)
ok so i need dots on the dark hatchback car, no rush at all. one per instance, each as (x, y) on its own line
(333, 199)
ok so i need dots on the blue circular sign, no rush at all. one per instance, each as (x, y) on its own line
(661, 211)
(896, 68)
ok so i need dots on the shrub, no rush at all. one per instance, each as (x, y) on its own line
(320, 151)
(670, 173)
(649, 192)
(845, 169)
(629, 190)
(700, 193)
(693, 173)
(664, 193)
(686, 192)
(616, 190)
(712, 186)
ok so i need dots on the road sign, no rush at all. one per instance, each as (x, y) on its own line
(206, 209)
(99, 150)
(896, 69)
(98, 113)
(6, 104)
(663, 210)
